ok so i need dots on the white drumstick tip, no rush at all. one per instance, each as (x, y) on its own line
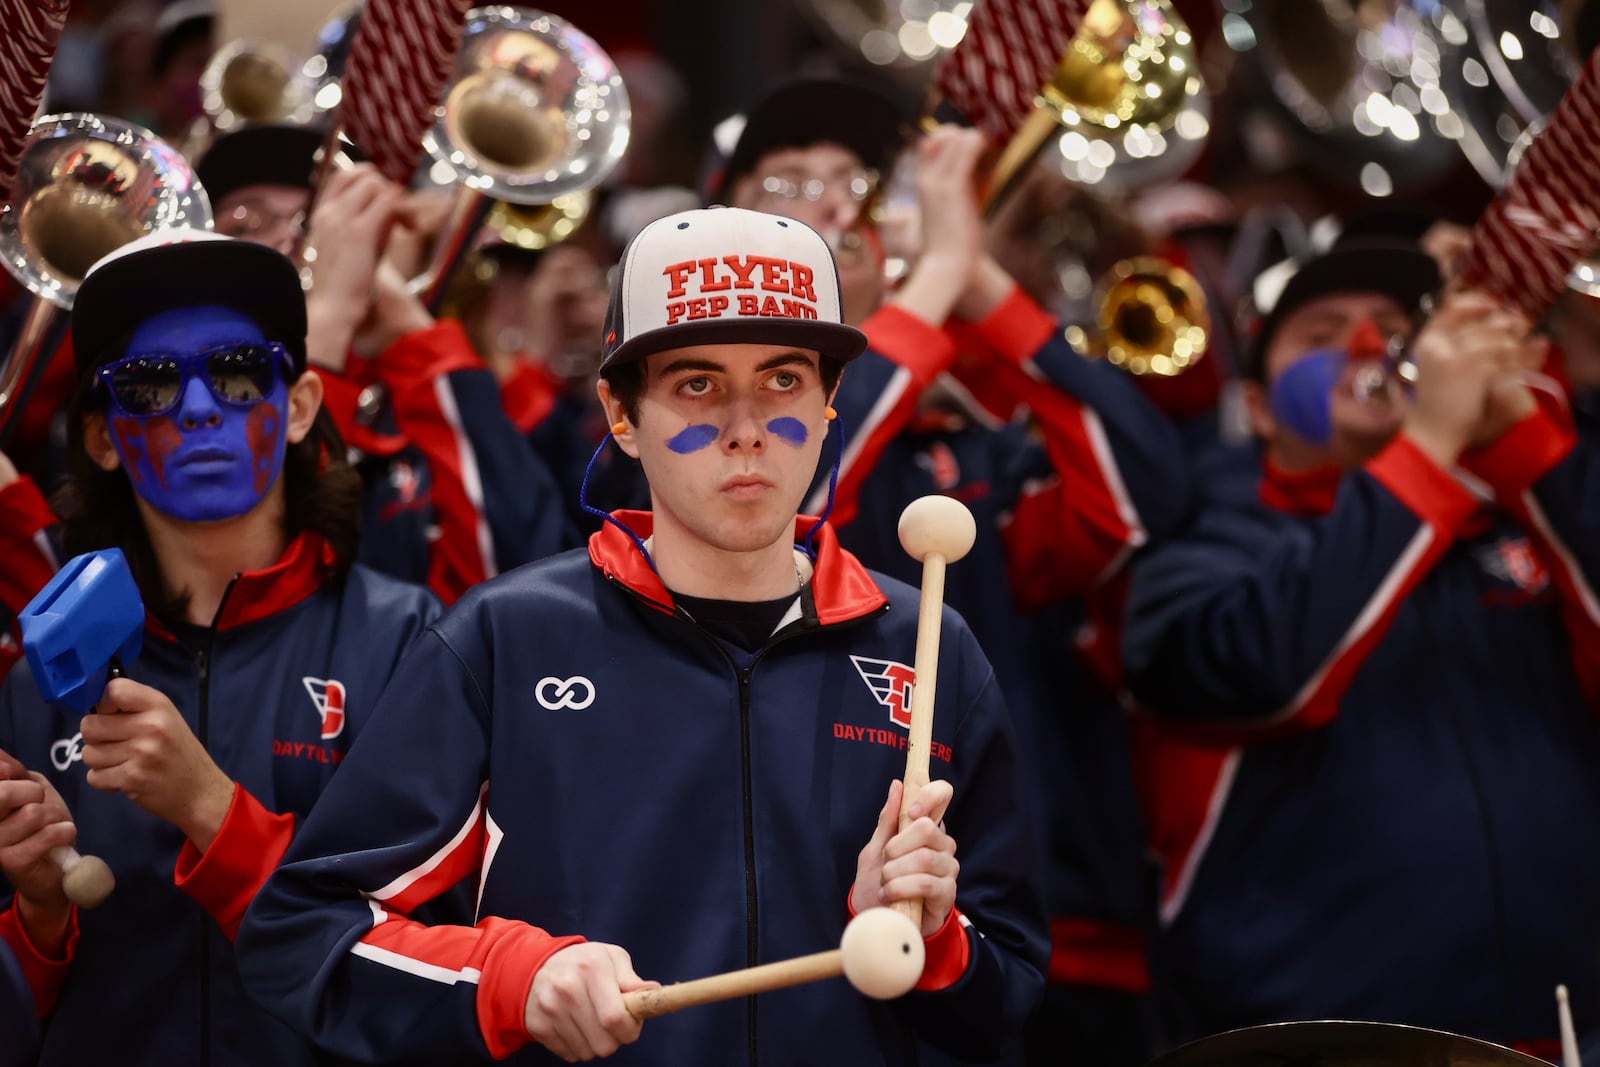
(86, 880)
(937, 524)
(882, 953)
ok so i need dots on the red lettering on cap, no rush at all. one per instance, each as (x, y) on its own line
(719, 304)
(709, 282)
(675, 311)
(742, 269)
(679, 273)
(772, 270)
(749, 305)
(697, 308)
(769, 306)
(802, 286)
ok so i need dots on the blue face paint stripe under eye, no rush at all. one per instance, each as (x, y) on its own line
(693, 438)
(790, 430)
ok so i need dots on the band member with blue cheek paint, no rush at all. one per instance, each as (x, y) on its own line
(198, 447)
(720, 654)
(1391, 633)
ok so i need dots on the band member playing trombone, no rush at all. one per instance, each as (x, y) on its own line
(454, 492)
(1377, 683)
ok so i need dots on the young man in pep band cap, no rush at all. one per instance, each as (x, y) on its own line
(198, 447)
(682, 744)
(1374, 686)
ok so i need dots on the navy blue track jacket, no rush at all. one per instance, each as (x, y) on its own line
(601, 767)
(1072, 472)
(276, 690)
(1388, 809)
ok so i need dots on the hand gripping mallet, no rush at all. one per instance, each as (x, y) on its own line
(935, 530)
(881, 953)
(76, 633)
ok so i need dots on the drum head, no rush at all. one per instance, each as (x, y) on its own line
(1342, 1044)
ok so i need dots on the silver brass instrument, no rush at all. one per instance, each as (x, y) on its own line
(535, 112)
(86, 185)
(1359, 85)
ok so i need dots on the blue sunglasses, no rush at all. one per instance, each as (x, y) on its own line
(152, 383)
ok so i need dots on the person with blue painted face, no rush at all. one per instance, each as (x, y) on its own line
(1374, 688)
(198, 447)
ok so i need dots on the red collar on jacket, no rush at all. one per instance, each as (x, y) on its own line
(256, 595)
(840, 587)
(1308, 492)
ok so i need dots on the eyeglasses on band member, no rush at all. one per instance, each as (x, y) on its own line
(143, 384)
(856, 184)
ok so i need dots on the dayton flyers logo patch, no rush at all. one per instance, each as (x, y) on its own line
(328, 696)
(891, 683)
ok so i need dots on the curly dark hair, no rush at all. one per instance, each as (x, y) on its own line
(322, 493)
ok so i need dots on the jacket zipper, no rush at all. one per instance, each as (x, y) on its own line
(751, 912)
(203, 731)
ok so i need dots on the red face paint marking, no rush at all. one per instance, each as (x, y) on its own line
(131, 433)
(163, 438)
(262, 430)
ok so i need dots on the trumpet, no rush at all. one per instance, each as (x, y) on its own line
(1150, 318)
(86, 185)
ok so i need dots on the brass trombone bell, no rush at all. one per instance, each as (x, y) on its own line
(247, 83)
(1131, 62)
(535, 109)
(538, 226)
(87, 185)
(1150, 318)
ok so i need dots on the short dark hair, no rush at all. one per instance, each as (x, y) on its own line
(322, 493)
(627, 381)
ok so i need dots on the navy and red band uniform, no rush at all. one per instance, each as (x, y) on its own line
(1376, 694)
(1062, 498)
(604, 767)
(454, 493)
(28, 559)
(276, 689)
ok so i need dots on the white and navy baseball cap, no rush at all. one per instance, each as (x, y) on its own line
(724, 275)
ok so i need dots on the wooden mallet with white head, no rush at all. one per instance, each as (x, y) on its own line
(935, 530)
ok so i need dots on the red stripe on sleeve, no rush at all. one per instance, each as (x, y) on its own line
(43, 974)
(1183, 787)
(1525, 452)
(225, 878)
(461, 855)
(1068, 533)
(922, 352)
(1422, 485)
(415, 369)
(1015, 329)
(500, 955)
